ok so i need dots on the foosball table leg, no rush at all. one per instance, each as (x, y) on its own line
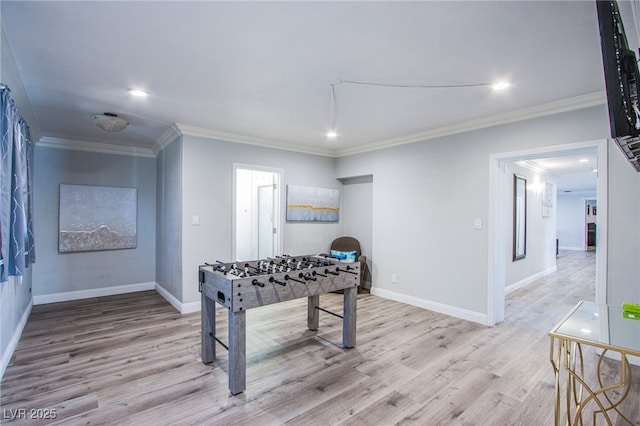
(237, 352)
(349, 317)
(208, 329)
(313, 314)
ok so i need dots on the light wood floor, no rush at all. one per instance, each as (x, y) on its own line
(131, 359)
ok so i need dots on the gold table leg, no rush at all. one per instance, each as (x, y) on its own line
(568, 357)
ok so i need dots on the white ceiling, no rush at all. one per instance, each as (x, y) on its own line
(263, 69)
(261, 72)
(576, 174)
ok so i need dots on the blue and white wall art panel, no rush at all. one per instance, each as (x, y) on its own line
(97, 218)
(306, 203)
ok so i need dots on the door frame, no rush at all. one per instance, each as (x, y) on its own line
(279, 205)
(498, 190)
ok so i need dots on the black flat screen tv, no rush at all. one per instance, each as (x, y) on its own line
(620, 72)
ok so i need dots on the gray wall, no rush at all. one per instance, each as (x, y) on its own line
(207, 180)
(356, 201)
(168, 219)
(427, 194)
(15, 305)
(66, 272)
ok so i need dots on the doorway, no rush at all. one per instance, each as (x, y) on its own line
(591, 208)
(498, 249)
(257, 229)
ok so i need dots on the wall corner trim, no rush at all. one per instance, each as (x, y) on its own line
(183, 308)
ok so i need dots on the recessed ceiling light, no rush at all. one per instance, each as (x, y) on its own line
(139, 93)
(501, 85)
(331, 134)
(584, 160)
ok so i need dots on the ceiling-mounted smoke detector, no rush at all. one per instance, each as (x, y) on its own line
(110, 122)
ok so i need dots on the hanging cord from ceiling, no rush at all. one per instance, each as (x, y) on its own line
(332, 112)
(413, 86)
(332, 134)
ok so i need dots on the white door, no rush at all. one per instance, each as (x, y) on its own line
(266, 227)
(257, 228)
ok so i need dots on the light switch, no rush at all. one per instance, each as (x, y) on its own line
(477, 223)
(195, 220)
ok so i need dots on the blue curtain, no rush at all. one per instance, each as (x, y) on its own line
(17, 250)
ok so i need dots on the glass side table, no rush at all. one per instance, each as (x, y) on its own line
(602, 327)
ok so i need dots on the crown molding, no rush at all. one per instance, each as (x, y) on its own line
(251, 140)
(97, 147)
(535, 167)
(165, 139)
(565, 105)
(177, 130)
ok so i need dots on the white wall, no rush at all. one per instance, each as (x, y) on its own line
(425, 199)
(571, 222)
(624, 230)
(540, 256)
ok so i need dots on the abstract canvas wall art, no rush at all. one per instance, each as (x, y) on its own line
(97, 218)
(306, 203)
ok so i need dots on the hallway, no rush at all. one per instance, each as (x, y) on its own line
(573, 281)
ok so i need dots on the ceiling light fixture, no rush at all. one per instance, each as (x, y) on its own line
(138, 93)
(583, 160)
(110, 122)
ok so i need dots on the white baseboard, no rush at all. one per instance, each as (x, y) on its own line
(571, 248)
(89, 293)
(183, 308)
(528, 280)
(453, 311)
(13, 343)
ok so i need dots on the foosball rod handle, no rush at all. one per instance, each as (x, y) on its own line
(287, 277)
(273, 280)
(307, 277)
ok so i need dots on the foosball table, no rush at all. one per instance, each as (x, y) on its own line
(240, 286)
